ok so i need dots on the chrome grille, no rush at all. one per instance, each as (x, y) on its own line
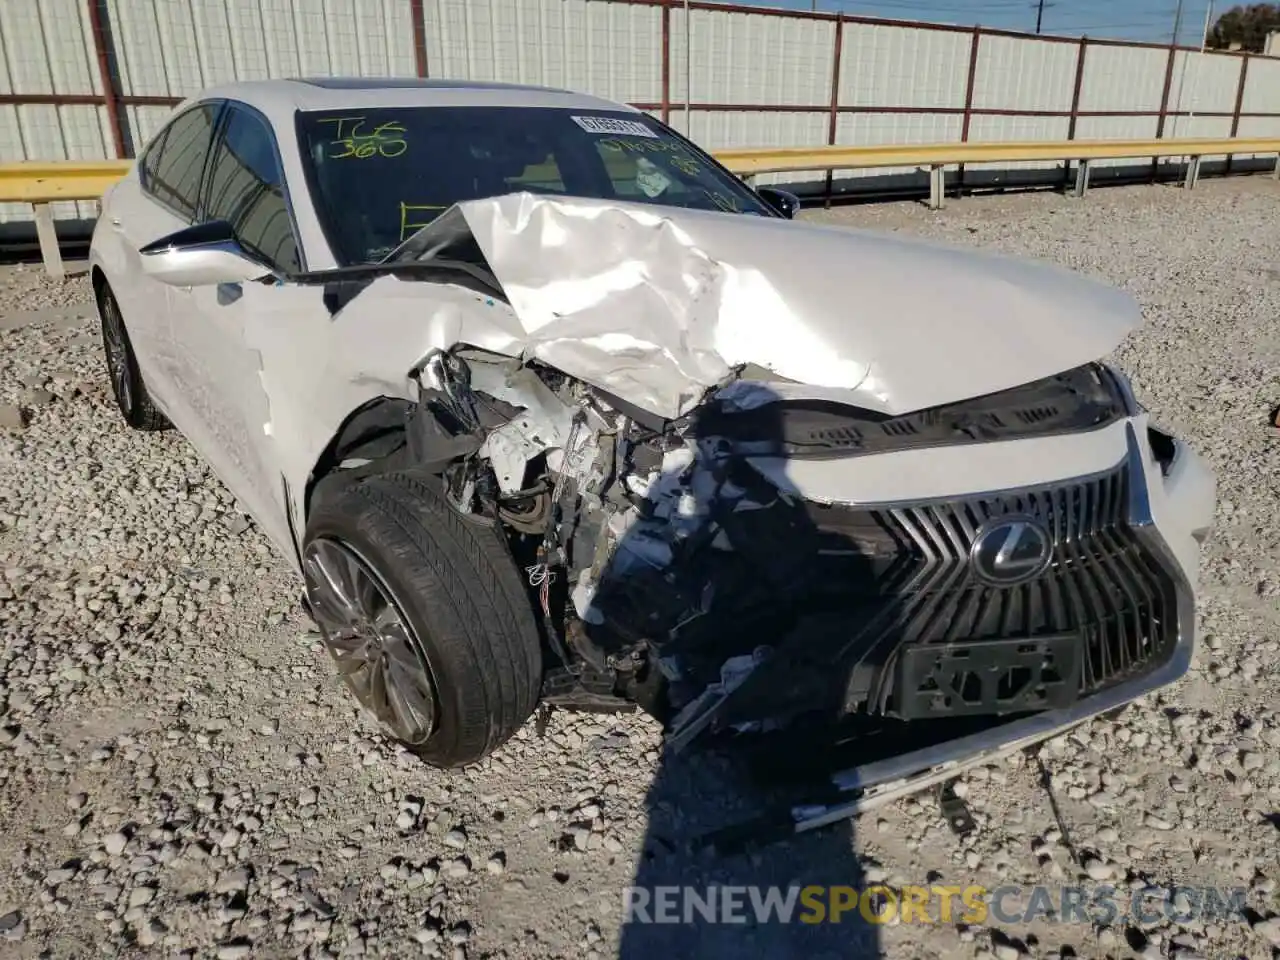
(1102, 583)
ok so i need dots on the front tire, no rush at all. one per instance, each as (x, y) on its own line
(122, 368)
(424, 614)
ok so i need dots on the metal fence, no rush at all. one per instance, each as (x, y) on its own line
(82, 79)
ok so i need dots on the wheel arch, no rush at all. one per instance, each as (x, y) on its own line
(98, 280)
(382, 435)
(374, 431)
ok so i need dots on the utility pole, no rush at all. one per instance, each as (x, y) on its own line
(1040, 5)
(1177, 24)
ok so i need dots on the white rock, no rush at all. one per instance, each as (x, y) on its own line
(141, 896)
(230, 839)
(1098, 870)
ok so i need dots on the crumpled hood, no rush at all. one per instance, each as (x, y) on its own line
(657, 304)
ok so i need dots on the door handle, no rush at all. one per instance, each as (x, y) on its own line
(229, 293)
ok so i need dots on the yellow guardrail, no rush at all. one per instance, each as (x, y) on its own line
(41, 183)
(791, 159)
(36, 181)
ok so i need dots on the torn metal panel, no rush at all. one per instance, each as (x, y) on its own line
(657, 305)
(543, 425)
(318, 368)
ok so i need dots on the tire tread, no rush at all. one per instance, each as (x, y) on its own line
(461, 580)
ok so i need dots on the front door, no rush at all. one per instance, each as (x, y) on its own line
(211, 326)
(161, 199)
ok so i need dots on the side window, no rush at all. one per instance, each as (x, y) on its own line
(174, 178)
(246, 189)
(147, 165)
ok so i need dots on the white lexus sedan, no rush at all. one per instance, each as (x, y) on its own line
(545, 405)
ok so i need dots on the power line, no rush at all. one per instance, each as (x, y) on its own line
(1146, 25)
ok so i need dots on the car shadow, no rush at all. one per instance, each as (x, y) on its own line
(716, 878)
(692, 795)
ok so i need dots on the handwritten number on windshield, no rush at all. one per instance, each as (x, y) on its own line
(412, 218)
(725, 202)
(353, 138)
(673, 152)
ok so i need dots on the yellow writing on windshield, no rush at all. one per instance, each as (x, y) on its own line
(726, 202)
(674, 152)
(686, 165)
(414, 216)
(353, 138)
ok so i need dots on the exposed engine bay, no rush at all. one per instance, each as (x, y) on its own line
(668, 568)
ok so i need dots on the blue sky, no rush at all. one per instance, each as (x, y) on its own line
(1150, 20)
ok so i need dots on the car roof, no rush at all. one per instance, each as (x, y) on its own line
(279, 97)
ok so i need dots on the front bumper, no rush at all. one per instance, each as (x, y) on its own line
(1180, 493)
(1167, 509)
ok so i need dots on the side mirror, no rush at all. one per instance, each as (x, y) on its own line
(203, 255)
(787, 204)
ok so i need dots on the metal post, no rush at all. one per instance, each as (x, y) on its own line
(936, 187)
(110, 98)
(1075, 105)
(1164, 106)
(1193, 173)
(666, 63)
(1082, 178)
(1182, 89)
(833, 119)
(418, 25)
(688, 69)
(48, 238)
(967, 119)
(1235, 110)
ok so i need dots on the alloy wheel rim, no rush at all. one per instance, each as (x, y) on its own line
(378, 655)
(117, 354)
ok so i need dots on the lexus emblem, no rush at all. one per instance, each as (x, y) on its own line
(1011, 550)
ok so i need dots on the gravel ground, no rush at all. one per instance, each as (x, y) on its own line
(180, 773)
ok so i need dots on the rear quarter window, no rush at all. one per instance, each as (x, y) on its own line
(174, 176)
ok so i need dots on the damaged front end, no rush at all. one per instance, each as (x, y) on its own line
(671, 570)
(863, 563)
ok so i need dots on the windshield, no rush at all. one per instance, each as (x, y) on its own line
(380, 175)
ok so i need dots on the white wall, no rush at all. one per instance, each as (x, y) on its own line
(898, 83)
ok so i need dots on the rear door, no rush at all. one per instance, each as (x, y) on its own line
(160, 199)
(210, 325)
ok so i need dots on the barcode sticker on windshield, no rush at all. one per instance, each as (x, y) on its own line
(612, 126)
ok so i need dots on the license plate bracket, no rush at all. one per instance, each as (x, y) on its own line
(989, 676)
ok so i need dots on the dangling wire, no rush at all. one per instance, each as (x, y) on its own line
(541, 576)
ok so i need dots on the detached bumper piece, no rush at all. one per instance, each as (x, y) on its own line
(969, 672)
